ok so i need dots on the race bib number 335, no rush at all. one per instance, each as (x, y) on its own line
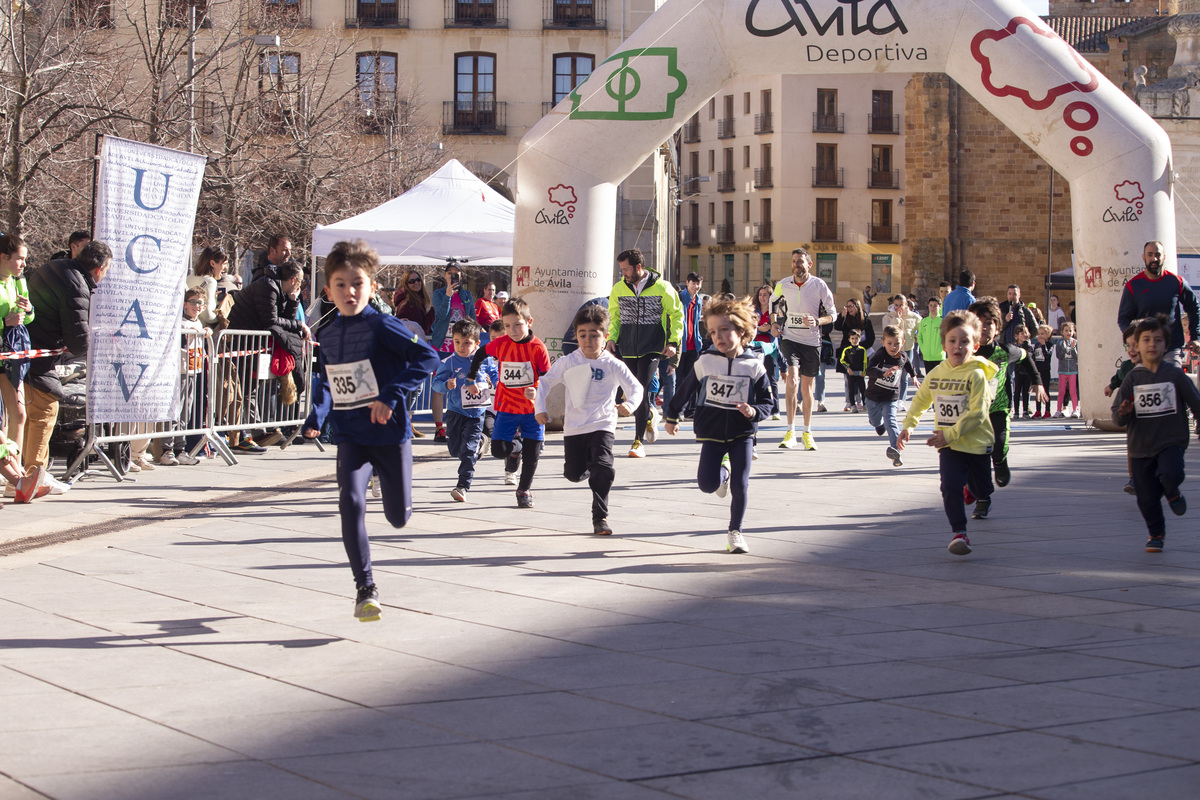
(352, 385)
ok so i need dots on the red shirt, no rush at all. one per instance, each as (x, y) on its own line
(531, 355)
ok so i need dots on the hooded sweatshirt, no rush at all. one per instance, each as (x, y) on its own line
(961, 397)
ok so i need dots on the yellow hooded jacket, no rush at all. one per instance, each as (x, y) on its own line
(961, 397)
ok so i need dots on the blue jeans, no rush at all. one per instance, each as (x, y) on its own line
(883, 412)
(463, 433)
(904, 375)
(666, 382)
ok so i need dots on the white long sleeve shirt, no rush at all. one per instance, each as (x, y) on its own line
(591, 385)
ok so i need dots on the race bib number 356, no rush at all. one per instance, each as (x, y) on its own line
(1154, 400)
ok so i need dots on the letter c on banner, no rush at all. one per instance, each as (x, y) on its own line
(137, 189)
(129, 253)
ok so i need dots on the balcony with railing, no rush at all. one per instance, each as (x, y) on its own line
(883, 123)
(762, 232)
(376, 13)
(725, 128)
(478, 117)
(824, 232)
(725, 234)
(883, 233)
(829, 178)
(476, 14)
(764, 123)
(270, 15)
(724, 181)
(763, 178)
(829, 123)
(885, 179)
(282, 112)
(89, 14)
(381, 116)
(691, 131)
(578, 15)
(690, 185)
(691, 235)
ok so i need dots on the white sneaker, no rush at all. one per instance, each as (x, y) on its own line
(736, 543)
(167, 459)
(510, 479)
(777, 416)
(754, 454)
(723, 489)
(636, 450)
(187, 459)
(56, 486)
(376, 490)
(459, 494)
(651, 429)
(789, 440)
(10, 490)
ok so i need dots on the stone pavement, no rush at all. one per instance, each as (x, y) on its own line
(204, 647)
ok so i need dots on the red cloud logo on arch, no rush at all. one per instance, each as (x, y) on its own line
(1129, 192)
(563, 195)
(1008, 71)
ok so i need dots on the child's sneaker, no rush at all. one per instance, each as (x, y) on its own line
(754, 454)
(960, 545)
(1003, 473)
(736, 543)
(459, 493)
(440, 434)
(601, 527)
(894, 455)
(510, 479)
(636, 450)
(807, 440)
(373, 485)
(847, 410)
(982, 507)
(880, 429)
(1154, 544)
(789, 440)
(524, 500)
(1178, 505)
(1129, 487)
(651, 428)
(776, 416)
(968, 498)
(366, 604)
(1058, 415)
(858, 408)
(723, 489)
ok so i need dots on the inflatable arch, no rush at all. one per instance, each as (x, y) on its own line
(1112, 153)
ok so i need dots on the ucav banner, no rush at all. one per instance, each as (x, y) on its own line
(145, 211)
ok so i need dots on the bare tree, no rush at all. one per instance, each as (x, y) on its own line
(58, 84)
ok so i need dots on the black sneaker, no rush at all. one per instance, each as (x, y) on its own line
(1154, 544)
(880, 429)
(440, 435)
(894, 455)
(366, 605)
(524, 500)
(1178, 505)
(982, 507)
(601, 527)
(1003, 473)
(250, 446)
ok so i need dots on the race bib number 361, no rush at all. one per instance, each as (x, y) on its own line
(949, 409)
(1154, 400)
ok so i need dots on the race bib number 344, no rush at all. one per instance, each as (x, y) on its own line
(516, 374)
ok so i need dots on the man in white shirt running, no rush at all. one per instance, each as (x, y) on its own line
(802, 303)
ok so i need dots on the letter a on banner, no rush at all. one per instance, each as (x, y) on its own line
(145, 210)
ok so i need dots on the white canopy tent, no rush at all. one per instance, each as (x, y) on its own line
(450, 214)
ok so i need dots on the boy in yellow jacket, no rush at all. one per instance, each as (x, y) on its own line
(961, 391)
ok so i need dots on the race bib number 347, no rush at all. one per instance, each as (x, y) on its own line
(726, 391)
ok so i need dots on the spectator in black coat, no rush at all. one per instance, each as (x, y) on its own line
(270, 304)
(61, 294)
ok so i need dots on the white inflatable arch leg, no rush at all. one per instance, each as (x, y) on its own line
(1117, 160)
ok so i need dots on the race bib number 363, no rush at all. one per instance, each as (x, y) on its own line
(1154, 400)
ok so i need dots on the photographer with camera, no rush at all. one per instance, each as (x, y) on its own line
(1014, 313)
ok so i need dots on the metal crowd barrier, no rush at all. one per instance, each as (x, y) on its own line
(226, 386)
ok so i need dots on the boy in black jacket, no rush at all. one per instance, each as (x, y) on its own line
(884, 370)
(1152, 404)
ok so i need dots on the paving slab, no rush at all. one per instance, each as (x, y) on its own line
(197, 641)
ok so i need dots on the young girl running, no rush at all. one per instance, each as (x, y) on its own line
(369, 363)
(732, 393)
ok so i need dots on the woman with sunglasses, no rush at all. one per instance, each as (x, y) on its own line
(411, 302)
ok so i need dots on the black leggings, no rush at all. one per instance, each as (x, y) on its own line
(519, 451)
(393, 467)
(644, 369)
(710, 475)
(590, 456)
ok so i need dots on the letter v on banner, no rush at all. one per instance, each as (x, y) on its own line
(146, 200)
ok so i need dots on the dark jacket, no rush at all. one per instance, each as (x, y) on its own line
(263, 306)
(713, 423)
(1021, 316)
(61, 294)
(1169, 294)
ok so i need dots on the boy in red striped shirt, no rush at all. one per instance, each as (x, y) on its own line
(521, 360)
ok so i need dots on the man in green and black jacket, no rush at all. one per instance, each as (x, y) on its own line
(645, 325)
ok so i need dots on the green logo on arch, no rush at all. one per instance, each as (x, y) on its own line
(622, 87)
